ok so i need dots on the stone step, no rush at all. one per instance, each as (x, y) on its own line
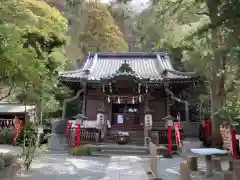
(128, 152)
(112, 149)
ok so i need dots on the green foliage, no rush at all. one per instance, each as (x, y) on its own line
(230, 111)
(2, 138)
(30, 52)
(6, 136)
(100, 33)
(26, 136)
(8, 159)
(81, 151)
(2, 164)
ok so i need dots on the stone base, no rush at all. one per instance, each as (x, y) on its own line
(10, 171)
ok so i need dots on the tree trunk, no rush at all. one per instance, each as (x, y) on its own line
(216, 100)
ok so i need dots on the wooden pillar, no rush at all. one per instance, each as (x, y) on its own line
(184, 171)
(192, 163)
(230, 168)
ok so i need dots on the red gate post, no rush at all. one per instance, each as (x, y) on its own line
(73, 136)
(69, 125)
(234, 144)
(78, 129)
(170, 140)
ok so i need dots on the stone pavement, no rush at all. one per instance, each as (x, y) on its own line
(62, 167)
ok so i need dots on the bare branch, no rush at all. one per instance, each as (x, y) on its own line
(9, 92)
(202, 13)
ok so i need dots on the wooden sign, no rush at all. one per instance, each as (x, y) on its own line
(153, 159)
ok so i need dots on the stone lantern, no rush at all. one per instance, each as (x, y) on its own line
(80, 119)
(168, 120)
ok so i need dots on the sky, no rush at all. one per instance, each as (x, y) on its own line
(139, 4)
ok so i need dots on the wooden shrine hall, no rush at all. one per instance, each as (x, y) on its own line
(127, 93)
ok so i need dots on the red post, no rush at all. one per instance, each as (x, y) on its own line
(78, 129)
(69, 125)
(73, 137)
(17, 130)
(177, 134)
(234, 144)
(170, 140)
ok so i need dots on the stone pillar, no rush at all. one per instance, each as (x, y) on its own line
(217, 164)
(184, 171)
(193, 163)
(100, 123)
(236, 172)
(227, 175)
(147, 125)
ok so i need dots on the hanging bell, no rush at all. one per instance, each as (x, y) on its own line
(146, 90)
(119, 101)
(139, 98)
(139, 88)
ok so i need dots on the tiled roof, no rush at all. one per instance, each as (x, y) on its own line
(150, 66)
(15, 108)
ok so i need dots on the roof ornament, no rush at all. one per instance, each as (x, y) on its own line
(125, 68)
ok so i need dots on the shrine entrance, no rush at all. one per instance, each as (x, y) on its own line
(125, 115)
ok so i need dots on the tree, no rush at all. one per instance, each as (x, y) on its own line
(92, 28)
(28, 54)
(211, 36)
(100, 32)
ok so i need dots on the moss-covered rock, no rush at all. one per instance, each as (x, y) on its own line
(2, 164)
(81, 151)
(8, 159)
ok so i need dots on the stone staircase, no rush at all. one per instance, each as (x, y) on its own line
(58, 144)
(136, 136)
(126, 150)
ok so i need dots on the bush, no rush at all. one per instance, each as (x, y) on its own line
(2, 138)
(9, 136)
(8, 159)
(2, 164)
(81, 151)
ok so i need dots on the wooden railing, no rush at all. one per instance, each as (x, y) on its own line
(163, 136)
(87, 135)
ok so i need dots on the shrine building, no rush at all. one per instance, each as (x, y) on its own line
(126, 92)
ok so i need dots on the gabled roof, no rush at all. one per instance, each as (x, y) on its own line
(151, 66)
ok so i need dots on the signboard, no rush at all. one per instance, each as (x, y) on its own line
(120, 119)
(100, 120)
(148, 120)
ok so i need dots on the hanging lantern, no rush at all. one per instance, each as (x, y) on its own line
(139, 98)
(146, 90)
(110, 87)
(119, 101)
(133, 100)
(139, 88)
(103, 86)
(108, 99)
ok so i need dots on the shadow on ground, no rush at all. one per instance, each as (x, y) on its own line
(63, 167)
